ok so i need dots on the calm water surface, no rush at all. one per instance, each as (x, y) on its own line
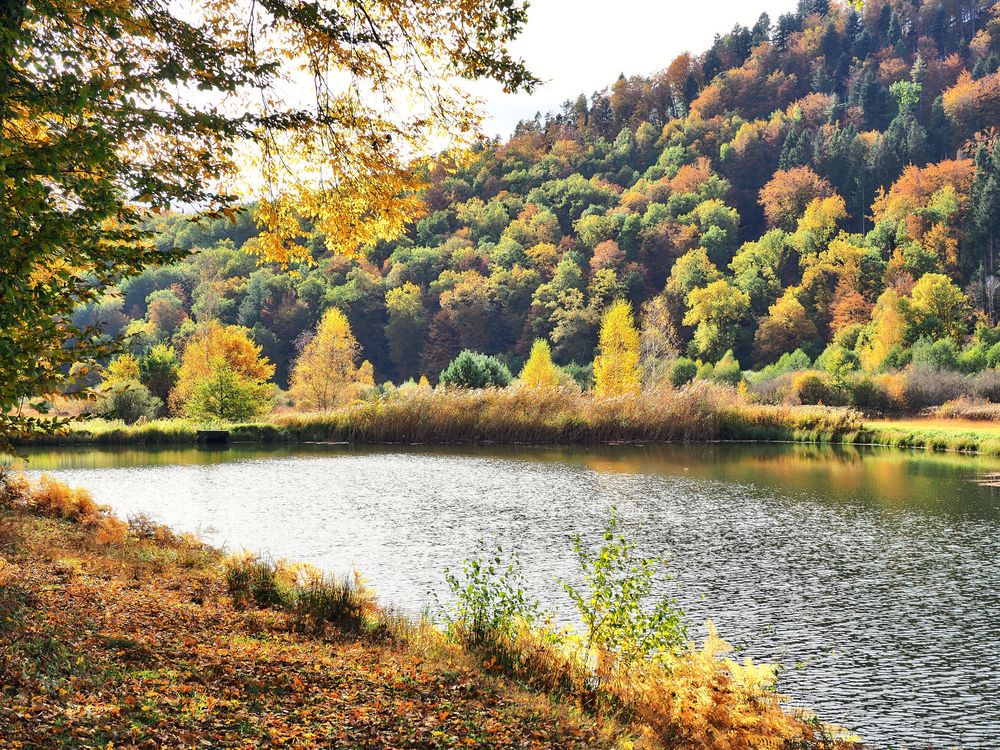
(871, 577)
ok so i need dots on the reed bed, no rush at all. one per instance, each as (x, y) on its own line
(698, 412)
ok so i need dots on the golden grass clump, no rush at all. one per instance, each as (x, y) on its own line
(967, 408)
(702, 700)
(51, 497)
(54, 498)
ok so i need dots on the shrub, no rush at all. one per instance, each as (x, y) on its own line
(812, 387)
(583, 375)
(15, 489)
(838, 362)
(109, 529)
(128, 401)
(699, 696)
(972, 359)
(727, 370)
(986, 385)
(621, 622)
(490, 606)
(54, 498)
(772, 390)
(931, 387)
(966, 408)
(942, 354)
(252, 580)
(472, 370)
(314, 599)
(880, 394)
(897, 358)
(788, 362)
(893, 387)
(682, 371)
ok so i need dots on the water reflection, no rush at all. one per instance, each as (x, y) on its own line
(875, 569)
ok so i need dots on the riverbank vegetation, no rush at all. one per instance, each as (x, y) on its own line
(129, 634)
(421, 414)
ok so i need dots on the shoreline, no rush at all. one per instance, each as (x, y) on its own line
(938, 438)
(191, 643)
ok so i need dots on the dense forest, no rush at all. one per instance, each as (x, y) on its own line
(820, 190)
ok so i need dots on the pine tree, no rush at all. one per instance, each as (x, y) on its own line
(984, 211)
(616, 368)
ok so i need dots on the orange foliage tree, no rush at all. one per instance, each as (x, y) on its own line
(973, 104)
(787, 194)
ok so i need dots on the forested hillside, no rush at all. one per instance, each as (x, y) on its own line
(828, 181)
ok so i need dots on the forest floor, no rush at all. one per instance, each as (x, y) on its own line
(136, 643)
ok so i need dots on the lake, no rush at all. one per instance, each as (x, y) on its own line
(871, 576)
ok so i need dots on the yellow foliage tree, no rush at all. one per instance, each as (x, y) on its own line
(121, 369)
(616, 368)
(325, 374)
(937, 307)
(886, 331)
(539, 371)
(216, 346)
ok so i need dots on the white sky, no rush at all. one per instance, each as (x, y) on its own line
(580, 46)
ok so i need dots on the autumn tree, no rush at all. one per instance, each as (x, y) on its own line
(122, 395)
(936, 308)
(716, 310)
(326, 372)
(785, 196)
(216, 346)
(884, 333)
(539, 371)
(165, 311)
(121, 369)
(158, 370)
(616, 367)
(973, 104)
(786, 328)
(99, 118)
(227, 395)
(658, 337)
(406, 328)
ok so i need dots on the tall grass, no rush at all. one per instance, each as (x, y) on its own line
(117, 432)
(700, 411)
(314, 599)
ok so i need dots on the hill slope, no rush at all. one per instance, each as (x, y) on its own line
(829, 178)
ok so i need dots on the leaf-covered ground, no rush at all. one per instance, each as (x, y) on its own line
(137, 644)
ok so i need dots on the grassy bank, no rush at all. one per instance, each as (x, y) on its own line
(511, 415)
(115, 634)
(701, 412)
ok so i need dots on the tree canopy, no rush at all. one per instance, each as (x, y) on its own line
(110, 109)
